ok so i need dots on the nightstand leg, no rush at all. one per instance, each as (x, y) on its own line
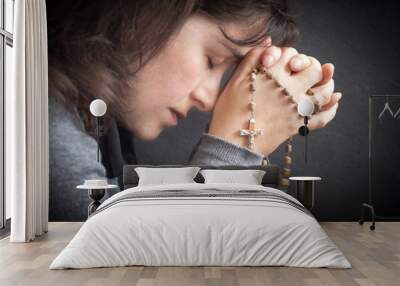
(311, 193)
(305, 193)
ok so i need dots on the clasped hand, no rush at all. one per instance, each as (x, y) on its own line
(276, 115)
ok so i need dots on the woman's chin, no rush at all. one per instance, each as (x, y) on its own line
(148, 134)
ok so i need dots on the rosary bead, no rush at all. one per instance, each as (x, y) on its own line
(252, 76)
(289, 148)
(288, 160)
(286, 172)
(252, 87)
(268, 75)
(291, 99)
(310, 92)
(316, 109)
(264, 162)
(284, 182)
(252, 106)
(285, 92)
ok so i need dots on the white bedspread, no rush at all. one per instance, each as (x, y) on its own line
(180, 231)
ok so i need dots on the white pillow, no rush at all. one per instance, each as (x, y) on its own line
(249, 177)
(161, 176)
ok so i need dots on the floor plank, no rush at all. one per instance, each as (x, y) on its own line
(375, 257)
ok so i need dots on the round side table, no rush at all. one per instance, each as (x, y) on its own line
(96, 193)
(305, 190)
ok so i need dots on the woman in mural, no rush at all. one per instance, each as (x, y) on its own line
(152, 62)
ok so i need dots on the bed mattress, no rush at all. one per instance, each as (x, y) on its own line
(201, 225)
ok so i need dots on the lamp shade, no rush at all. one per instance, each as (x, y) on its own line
(98, 107)
(305, 107)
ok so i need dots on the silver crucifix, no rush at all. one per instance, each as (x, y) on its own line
(252, 132)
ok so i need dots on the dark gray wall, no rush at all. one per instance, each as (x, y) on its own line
(361, 39)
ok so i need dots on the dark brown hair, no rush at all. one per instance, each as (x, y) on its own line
(96, 47)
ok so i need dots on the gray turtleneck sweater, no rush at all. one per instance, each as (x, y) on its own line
(72, 155)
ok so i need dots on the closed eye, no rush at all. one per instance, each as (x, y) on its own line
(210, 63)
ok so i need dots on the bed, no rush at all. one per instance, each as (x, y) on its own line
(201, 224)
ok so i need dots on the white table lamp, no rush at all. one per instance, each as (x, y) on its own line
(98, 108)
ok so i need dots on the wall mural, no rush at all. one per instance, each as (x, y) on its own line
(388, 109)
(218, 71)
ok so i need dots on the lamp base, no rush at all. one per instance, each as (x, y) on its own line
(96, 195)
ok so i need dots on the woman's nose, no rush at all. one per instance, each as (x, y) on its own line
(204, 99)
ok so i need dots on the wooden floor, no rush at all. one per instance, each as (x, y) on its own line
(375, 257)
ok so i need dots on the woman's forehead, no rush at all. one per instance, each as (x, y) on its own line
(223, 32)
(244, 30)
(239, 29)
(237, 33)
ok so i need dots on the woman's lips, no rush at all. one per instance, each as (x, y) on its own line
(175, 115)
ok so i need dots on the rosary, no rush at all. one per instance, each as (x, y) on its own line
(305, 108)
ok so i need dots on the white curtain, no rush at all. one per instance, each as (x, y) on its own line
(27, 124)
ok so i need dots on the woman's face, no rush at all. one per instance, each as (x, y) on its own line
(186, 74)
